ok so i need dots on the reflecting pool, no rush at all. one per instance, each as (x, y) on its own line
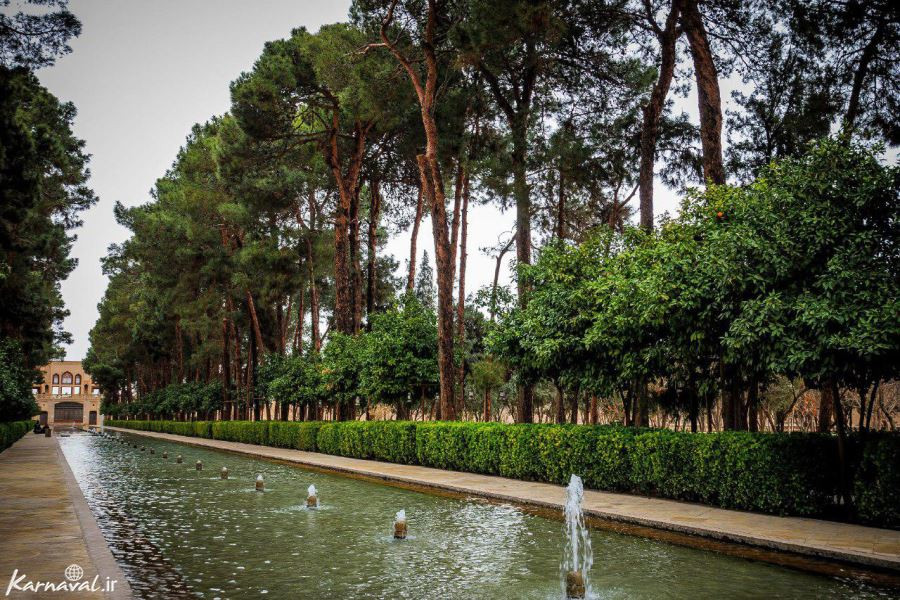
(182, 533)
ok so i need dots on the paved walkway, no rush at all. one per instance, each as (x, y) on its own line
(855, 544)
(46, 525)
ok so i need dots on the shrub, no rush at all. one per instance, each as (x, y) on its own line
(877, 481)
(11, 432)
(787, 474)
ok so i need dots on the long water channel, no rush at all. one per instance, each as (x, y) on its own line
(182, 533)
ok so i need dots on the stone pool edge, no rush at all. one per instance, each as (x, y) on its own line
(838, 550)
(97, 548)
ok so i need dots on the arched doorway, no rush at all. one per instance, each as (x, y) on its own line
(68, 411)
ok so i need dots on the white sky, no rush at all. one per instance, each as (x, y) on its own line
(142, 73)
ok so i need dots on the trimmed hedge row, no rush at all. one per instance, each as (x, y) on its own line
(11, 432)
(786, 474)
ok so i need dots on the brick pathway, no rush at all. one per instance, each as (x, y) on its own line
(867, 546)
(45, 524)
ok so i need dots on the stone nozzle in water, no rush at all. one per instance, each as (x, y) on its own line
(578, 557)
(199, 465)
(178, 459)
(142, 448)
(152, 451)
(165, 454)
(312, 497)
(224, 474)
(260, 484)
(574, 585)
(400, 525)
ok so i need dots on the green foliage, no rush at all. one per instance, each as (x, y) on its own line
(43, 186)
(16, 400)
(792, 275)
(341, 368)
(399, 360)
(176, 399)
(391, 441)
(12, 431)
(299, 381)
(785, 474)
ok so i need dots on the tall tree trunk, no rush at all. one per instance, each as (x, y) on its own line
(486, 408)
(260, 346)
(447, 372)
(667, 37)
(374, 212)
(826, 407)
(753, 407)
(411, 279)
(497, 265)
(573, 406)
(708, 96)
(285, 318)
(461, 300)
(356, 279)
(859, 77)
(226, 371)
(301, 315)
(433, 190)
(843, 462)
(179, 345)
(561, 208)
(345, 301)
(593, 410)
(560, 404)
(525, 394)
(310, 262)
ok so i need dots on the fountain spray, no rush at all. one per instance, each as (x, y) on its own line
(260, 484)
(578, 557)
(312, 497)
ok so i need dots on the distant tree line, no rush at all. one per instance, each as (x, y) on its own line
(259, 267)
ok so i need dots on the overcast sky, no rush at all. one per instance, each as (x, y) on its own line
(143, 72)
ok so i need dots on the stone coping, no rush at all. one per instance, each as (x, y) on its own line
(853, 544)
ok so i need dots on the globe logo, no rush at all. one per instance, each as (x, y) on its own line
(74, 572)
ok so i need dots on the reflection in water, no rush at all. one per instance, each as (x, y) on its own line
(179, 532)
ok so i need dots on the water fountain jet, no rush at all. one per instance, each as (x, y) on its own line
(312, 498)
(224, 474)
(400, 525)
(578, 557)
(178, 459)
(260, 484)
(199, 465)
(165, 455)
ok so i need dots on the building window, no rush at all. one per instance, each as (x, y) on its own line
(55, 391)
(56, 378)
(77, 390)
(35, 390)
(78, 380)
(67, 378)
(46, 389)
(96, 391)
(67, 390)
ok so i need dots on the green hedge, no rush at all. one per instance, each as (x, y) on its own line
(11, 432)
(786, 474)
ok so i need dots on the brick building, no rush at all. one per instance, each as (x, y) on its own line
(67, 396)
